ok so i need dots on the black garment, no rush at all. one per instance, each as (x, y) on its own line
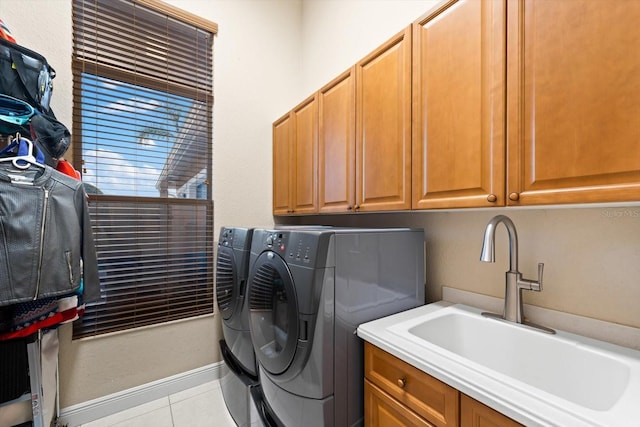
(45, 232)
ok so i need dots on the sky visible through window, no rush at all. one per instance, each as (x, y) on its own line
(128, 132)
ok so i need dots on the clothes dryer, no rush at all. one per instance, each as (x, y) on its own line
(240, 372)
(308, 291)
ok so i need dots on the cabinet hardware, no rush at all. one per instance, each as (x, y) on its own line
(492, 198)
(514, 196)
(401, 382)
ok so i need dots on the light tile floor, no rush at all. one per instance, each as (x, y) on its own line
(201, 406)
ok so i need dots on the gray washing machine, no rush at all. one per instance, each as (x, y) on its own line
(232, 270)
(240, 372)
(308, 291)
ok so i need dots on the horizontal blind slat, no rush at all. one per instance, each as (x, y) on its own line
(143, 95)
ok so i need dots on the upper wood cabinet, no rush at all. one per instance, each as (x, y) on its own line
(458, 106)
(295, 160)
(336, 144)
(480, 103)
(383, 127)
(305, 156)
(282, 166)
(573, 101)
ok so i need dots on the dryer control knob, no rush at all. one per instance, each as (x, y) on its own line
(269, 240)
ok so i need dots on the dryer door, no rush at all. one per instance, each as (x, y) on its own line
(273, 312)
(226, 278)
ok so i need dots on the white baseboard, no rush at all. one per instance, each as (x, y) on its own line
(107, 405)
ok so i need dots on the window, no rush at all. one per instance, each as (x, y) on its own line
(142, 130)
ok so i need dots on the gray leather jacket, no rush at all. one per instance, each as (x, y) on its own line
(45, 232)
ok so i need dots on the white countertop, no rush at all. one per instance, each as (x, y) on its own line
(519, 403)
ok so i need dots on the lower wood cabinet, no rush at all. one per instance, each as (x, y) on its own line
(383, 410)
(476, 414)
(398, 394)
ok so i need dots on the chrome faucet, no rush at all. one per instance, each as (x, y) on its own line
(515, 283)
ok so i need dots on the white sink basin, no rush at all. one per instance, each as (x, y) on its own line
(575, 372)
(536, 378)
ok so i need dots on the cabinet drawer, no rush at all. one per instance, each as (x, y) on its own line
(428, 397)
(383, 410)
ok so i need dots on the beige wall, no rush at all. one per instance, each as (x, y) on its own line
(269, 55)
(338, 33)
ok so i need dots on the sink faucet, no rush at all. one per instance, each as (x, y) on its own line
(515, 283)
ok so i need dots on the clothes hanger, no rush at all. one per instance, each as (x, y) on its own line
(25, 155)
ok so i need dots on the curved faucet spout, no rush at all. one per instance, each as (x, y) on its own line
(514, 282)
(488, 243)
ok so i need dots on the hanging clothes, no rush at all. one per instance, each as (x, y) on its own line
(45, 232)
(27, 318)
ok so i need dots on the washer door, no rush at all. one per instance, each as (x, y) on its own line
(273, 312)
(226, 278)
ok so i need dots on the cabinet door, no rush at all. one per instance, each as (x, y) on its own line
(475, 414)
(282, 161)
(336, 144)
(459, 106)
(383, 127)
(425, 395)
(381, 410)
(305, 156)
(573, 101)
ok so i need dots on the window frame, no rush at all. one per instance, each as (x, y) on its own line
(82, 66)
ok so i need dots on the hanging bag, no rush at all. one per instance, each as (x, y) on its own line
(25, 75)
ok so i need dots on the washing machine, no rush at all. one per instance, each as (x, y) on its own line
(240, 372)
(308, 291)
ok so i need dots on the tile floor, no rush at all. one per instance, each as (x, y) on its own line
(201, 406)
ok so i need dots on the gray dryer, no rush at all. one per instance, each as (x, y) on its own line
(308, 291)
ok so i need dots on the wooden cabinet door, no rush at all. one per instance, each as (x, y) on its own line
(336, 144)
(475, 414)
(459, 106)
(383, 127)
(428, 397)
(282, 166)
(573, 101)
(381, 410)
(305, 156)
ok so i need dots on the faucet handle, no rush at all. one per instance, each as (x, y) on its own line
(540, 270)
(532, 285)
